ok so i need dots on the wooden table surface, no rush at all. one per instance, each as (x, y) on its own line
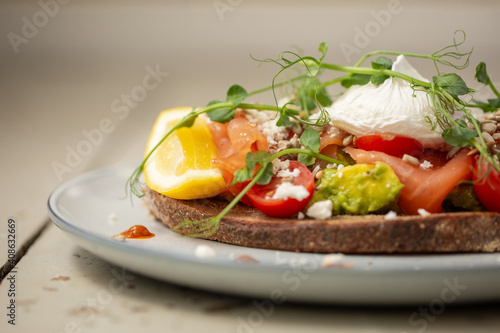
(67, 71)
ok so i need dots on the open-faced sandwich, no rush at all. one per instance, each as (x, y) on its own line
(396, 163)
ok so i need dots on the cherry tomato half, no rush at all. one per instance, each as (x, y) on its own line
(487, 189)
(261, 195)
(390, 144)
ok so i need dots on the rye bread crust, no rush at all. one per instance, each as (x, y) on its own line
(246, 226)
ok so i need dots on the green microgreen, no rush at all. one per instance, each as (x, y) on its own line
(355, 79)
(309, 94)
(459, 136)
(494, 102)
(483, 77)
(310, 139)
(447, 56)
(380, 63)
(491, 106)
(235, 95)
(451, 83)
(221, 115)
(252, 160)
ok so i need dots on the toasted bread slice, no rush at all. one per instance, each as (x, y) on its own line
(246, 226)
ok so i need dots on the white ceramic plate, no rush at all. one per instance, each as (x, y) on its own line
(84, 208)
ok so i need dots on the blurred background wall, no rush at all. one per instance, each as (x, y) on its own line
(79, 72)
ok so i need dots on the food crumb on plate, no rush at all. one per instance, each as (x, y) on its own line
(112, 218)
(60, 278)
(204, 252)
(332, 260)
(118, 237)
(247, 259)
(292, 262)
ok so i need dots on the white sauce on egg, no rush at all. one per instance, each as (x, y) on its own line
(392, 107)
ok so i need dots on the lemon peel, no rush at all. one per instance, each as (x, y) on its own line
(180, 167)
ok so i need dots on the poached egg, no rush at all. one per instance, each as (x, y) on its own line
(392, 107)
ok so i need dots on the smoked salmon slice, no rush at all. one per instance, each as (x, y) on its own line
(330, 137)
(424, 189)
(233, 140)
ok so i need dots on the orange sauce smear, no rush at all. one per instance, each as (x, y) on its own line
(137, 232)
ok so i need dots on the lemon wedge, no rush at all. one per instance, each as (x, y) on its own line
(180, 167)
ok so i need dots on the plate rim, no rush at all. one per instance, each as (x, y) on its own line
(112, 170)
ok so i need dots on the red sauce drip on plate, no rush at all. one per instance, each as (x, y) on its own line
(137, 232)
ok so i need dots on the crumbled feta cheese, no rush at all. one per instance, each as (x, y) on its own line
(340, 174)
(426, 165)
(423, 212)
(288, 190)
(266, 123)
(287, 173)
(111, 219)
(204, 252)
(320, 210)
(391, 215)
(300, 216)
(273, 133)
(280, 165)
